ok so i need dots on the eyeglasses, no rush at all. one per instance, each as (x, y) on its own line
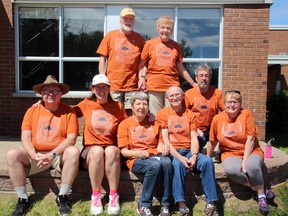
(48, 92)
(233, 91)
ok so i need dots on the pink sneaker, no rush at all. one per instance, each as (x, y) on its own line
(96, 205)
(113, 206)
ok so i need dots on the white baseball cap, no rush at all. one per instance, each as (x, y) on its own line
(100, 78)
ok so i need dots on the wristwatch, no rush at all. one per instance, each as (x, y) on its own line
(53, 154)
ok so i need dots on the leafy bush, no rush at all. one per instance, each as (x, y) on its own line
(277, 111)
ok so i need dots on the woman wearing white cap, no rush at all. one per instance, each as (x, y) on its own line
(100, 154)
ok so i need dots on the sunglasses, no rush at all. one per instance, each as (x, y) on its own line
(233, 91)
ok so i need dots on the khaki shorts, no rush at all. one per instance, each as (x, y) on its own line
(123, 97)
(56, 164)
(157, 101)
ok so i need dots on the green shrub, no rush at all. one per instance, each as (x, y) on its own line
(277, 111)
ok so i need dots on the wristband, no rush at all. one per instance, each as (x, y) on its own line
(195, 154)
(143, 76)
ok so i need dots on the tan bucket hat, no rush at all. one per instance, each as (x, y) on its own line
(51, 80)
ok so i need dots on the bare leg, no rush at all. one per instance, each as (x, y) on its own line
(95, 166)
(112, 166)
(17, 160)
(70, 165)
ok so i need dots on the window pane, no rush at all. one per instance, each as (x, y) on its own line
(38, 32)
(198, 32)
(78, 75)
(83, 31)
(35, 72)
(146, 20)
(191, 67)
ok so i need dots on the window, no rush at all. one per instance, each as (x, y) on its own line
(48, 47)
(62, 41)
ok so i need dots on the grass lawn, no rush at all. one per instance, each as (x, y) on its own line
(232, 207)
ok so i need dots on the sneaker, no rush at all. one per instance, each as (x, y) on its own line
(211, 211)
(269, 194)
(263, 206)
(96, 205)
(143, 211)
(184, 211)
(113, 206)
(21, 207)
(63, 204)
(164, 211)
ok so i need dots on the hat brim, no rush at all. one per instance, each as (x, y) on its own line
(64, 88)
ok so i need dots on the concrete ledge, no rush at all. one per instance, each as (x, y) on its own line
(130, 185)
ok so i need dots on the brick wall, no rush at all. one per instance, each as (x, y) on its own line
(278, 42)
(245, 52)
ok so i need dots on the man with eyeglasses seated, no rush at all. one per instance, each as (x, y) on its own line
(179, 132)
(205, 101)
(49, 132)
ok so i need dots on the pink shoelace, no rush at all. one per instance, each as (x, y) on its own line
(97, 201)
(113, 200)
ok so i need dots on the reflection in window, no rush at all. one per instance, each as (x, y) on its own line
(83, 31)
(79, 75)
(35, 72)
(38, 31)
(199, 32)
(146, 19)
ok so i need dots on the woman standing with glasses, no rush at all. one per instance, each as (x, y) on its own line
(242, 157)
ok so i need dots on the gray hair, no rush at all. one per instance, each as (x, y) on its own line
(205, 67)
(139, 96)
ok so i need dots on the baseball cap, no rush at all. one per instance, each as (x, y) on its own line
(100, 78)
(127, 11)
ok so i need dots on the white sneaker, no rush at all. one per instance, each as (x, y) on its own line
(113, 206)
(96, 205)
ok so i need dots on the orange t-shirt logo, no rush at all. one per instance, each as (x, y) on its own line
(143, 137)
(232, 130)
(164, 55)
(102, 122)
(48, 130)
(178, 127)
(204, 112)
(123, 51)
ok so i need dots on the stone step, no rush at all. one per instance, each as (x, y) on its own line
(130, 185)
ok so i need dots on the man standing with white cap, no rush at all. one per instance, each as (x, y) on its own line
(119, 58)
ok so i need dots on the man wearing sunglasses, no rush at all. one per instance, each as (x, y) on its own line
(49, 132)
(205, 101)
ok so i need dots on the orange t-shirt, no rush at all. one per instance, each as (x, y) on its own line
(204, 105)
(232, 135)
(101, 121)
(179, 126)
(162, 58)
(49, 129)
(135, 135)
(123, 53)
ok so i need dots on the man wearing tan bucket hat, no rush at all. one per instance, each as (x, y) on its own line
(49, 132)
(119, 58)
